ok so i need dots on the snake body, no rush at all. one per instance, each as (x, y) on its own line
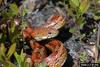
(56, 58)
(40, 29)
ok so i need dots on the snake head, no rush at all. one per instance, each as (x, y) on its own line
(40, 33)
(44, 33)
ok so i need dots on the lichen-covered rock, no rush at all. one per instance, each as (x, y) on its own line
(47, 17)
(31, 5)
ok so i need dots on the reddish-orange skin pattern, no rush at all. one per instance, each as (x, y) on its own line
(52, 25)
(59, 54)
(55, 21)
(40, 33)
(39, 52)
(55, 59)
(48, 30)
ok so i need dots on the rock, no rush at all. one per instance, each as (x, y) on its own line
(31, 5)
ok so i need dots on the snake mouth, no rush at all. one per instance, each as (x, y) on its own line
(50, 34)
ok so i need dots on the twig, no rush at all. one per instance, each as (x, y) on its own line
(98, 39)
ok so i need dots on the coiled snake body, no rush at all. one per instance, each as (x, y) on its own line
(47, 30)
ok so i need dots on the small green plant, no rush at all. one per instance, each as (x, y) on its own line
(5, 57)
(21, 59)
(76, 10)
(83, 57)
(98, 61)
(40, 65)
(98, 47)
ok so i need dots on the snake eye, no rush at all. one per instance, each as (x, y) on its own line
(49, 33)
